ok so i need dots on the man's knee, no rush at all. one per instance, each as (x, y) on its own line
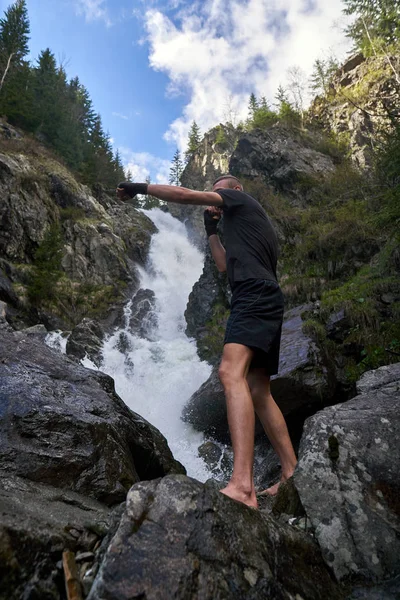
(229, 374)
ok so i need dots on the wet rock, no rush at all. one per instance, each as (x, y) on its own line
(181, 539)
(349, 453)
(64, 425)
(210, 291)
(86, 340)
(218, 458)
(37, 523)
(143, 318)
(303, 381)
(7, 293)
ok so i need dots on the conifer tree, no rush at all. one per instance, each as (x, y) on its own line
(253, 106)
(375, 20)
(321, 75)
(176, 170)
(193, 141)
(14, 37)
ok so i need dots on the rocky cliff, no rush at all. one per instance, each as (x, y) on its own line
(64, 253)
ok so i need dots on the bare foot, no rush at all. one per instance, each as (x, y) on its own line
(236, 494)
(271, 491)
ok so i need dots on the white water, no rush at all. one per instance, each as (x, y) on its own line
(156, 378)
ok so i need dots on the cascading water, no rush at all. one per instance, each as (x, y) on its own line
(157, 375)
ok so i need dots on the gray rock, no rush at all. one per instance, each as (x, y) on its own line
(373, 380)
(143, 318)
(37, 523)
(349, 452)
(181, 539)
(7, 293)
(209, 291)
(302, 383)
(64, 425)
(38, 330)
(279, 159)
(86, 340)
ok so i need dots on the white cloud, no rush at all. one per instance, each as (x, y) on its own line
(219, 51)
(94, 10)
(120, 116)
(143, 165)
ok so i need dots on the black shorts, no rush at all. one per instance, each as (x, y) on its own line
(256, 321)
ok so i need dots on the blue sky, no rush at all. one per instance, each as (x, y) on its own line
(151, 67)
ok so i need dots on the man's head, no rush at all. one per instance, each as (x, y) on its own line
(227, 182)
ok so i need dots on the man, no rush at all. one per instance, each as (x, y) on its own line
(251, 346)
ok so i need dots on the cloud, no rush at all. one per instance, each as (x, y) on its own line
(120, 116)
(216, 52)
(94, 10)
(143, 165)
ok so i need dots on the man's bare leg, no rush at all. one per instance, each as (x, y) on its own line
(274, 424)
(233, 371)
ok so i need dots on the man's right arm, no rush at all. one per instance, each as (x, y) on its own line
(211, 220)
(218, 252)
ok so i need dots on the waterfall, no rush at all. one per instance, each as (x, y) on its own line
(156, 375)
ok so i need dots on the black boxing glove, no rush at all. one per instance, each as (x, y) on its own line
(131, 189)
(211, 221)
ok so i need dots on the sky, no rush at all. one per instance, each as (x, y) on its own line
(154, 66)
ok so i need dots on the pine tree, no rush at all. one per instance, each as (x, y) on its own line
(281, 96)
(253, 106)
(193, 141)
(14, 37)
(176, 169)
(321, 75)
(377, 22)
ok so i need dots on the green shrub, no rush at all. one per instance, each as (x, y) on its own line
(47, 266)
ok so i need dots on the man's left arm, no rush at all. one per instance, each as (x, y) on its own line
(169, 193)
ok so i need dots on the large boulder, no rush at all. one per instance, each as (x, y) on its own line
(38, 522)
(181, 539)
(280, 158)
(302, 384)
(64, 425)
(350, 453)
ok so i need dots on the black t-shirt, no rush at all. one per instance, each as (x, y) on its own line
(250, 240)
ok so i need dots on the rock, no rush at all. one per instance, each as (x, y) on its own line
(37, 523)
(218, 458)
(38, 330)
(349, 452)
(279, 159)
(302, 382)
(64, 425)
(86, 340)
(337, 326)
(7, 293)
(181, 539)
(143, 317)
(389, 590)
(210, 291)
(301, 385)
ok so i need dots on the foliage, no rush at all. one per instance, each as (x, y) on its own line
(376, 25)
(176, 170)
(220, 139)
(39, 99)
(14, 37)
(322, 74)
(47, 266)
(193, 141)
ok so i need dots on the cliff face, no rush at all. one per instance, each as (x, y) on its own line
(66, 254)
(362, 102)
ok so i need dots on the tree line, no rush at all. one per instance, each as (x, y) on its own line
(40, 99)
